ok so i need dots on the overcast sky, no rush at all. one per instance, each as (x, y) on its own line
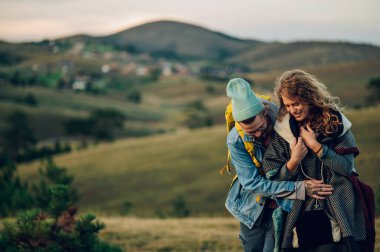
(268, 20)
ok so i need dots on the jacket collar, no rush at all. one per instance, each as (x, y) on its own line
(288, 128)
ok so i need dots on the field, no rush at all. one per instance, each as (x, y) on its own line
(190, 234)
(150, 172)
(184, 162)
(193, 234)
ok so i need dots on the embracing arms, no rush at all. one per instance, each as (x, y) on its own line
(251, 179)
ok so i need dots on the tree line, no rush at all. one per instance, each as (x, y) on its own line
(45, 209)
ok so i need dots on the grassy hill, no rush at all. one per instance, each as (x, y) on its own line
(54, 107)
(188, 42)
(165, 102)
(151, 172)
(180, 39)
(269, 56)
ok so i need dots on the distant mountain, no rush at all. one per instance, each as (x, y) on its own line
(269, 56)
(174, 40)
(186, 41)
(182, 41)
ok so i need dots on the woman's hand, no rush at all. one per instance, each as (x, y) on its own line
(317, 189)
(310, 138)
(298, 152)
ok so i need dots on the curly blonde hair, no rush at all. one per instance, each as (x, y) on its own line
(306, 89)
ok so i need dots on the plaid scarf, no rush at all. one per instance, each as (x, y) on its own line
(343, 205)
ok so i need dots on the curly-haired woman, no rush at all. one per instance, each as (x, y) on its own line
(313, 140)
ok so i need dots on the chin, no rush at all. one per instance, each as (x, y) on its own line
(297, 118)
(300, 118)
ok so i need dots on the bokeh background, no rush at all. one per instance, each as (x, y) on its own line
(123, 101)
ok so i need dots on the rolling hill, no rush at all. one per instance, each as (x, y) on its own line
(269, 56)
(190, 42)
(150, 172)
(184, 40)
(173, 39)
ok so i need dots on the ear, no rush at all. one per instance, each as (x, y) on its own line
(265, 112)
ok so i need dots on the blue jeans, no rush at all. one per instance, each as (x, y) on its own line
(260, 238)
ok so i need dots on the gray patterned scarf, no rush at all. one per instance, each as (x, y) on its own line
(343, 206)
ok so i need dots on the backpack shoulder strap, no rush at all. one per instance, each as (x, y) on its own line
(230, 123)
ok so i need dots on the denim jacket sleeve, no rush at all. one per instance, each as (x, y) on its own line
(248, 173)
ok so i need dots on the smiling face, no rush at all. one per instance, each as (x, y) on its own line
(300, 111)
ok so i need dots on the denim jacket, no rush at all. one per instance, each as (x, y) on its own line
(241, 198)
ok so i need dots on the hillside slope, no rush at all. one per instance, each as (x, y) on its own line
(269, 56)
(151, 172)
(180, 39)
(186, 42)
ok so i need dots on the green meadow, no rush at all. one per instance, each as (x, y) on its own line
(150, 172)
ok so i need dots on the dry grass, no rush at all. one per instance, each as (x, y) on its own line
(193, 234)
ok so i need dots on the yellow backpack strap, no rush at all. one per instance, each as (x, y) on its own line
(248, 146)
(251, 151)
(265, 97)
(230, 123)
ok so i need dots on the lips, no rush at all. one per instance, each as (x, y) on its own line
(297, 114)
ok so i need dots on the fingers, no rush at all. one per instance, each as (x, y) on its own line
(318, 190)
(317, 184)
(318, 197)
(300, 144)
(309, 128)
(307, 134)
(322, 191)
(294, 143)
(314, 181)
(327, 188)
(302, 130)
(299, 141)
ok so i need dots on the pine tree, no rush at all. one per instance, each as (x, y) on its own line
(35, 231)
(51, 174)
(14, 194)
